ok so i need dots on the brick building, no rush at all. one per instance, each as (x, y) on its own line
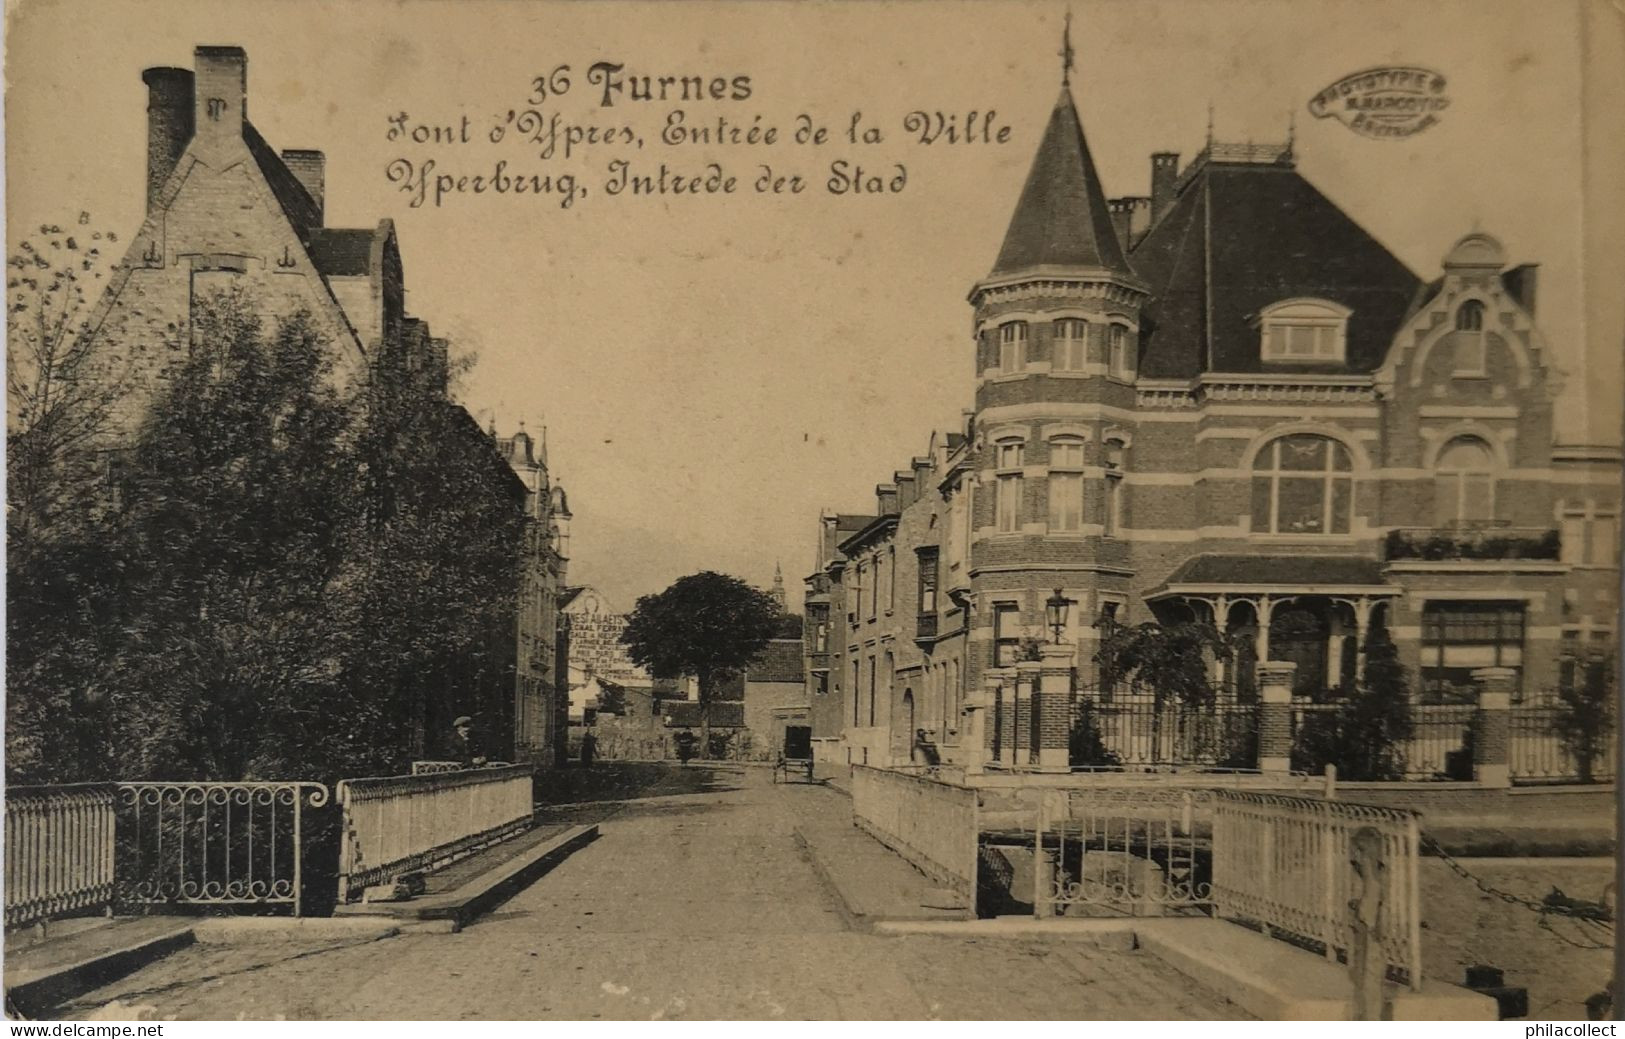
(1223, 401)
(225, 211)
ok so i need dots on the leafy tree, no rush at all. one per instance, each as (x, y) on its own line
(708, 625)
(60, 390)
(1171, 660)
(1365, 736)
(1584, 721)
(611, 698)
(1086, 746)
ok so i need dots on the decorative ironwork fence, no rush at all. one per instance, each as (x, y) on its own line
(1130, 732)
(397, 824)
(1284, 863)
(1538, 751)
(931, 823)
(1439, 746)
(213, 843)
(428, 768)
(59, 850)
(1137, 850)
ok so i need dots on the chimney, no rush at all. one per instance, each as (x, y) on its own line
(1121, 210)
(1164, 174)
(169, 123)
(906, 494)
(310, 169)
(886, 499)
(1521, 281)
(222, 91)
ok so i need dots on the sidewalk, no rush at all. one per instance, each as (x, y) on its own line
(869, 880)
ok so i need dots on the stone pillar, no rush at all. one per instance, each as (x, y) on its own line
(994, 708)
(1491, 726)
(1275, 716)
(1026, 699)
(1055, 709)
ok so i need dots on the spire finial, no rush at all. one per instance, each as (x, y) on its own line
(1210, 123)
(1066, 52)
(1291, 129)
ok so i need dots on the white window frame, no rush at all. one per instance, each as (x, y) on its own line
(1009, 457)
(1066, 471)
(1328, 476)
(1328, 320)
(1117, 340)
(1454, 481)
(1070, 353)
(1012, 347)
(1112, 514)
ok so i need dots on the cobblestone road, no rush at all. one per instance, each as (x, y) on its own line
(691, 907)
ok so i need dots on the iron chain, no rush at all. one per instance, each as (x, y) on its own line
(1592, 912)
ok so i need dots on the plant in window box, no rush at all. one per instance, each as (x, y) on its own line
(1440, 546)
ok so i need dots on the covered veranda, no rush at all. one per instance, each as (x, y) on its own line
(1314, 611)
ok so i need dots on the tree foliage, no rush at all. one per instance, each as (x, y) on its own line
(1171, 660)
(283, 573)
(1584, 719)
(708, 625)
(1366, 734)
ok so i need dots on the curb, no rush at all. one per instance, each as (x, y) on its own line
(55, 986)
(854, 920)
(226, 930)
(486, 891)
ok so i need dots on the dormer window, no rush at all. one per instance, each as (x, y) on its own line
(1304, 331)
(1012, 347)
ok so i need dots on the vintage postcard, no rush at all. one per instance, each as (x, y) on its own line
(748, 511)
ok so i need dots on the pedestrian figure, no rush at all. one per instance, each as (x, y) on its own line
(589, 747)
(464, 748)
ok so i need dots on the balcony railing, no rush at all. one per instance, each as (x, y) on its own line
(1434, 544)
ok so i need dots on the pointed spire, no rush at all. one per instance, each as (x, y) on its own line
(778, 586)
(1061, 219)
(1066, 52)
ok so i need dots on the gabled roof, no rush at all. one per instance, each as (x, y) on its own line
(1243, 235)
(1061, 219)
(780, 661)
(291, 195)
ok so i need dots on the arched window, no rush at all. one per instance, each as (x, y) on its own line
(1469, 338)
(1114, 461)
(1066, 484)
(1070, 350)
(1012, 347)
(1464, 483)
(1302, 484)
(1117, 351)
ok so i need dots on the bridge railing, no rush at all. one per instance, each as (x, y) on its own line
(1285, 863)
(399, 824)
(931, 823)
(59, 851)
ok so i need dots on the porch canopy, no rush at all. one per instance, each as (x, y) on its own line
(1318, 606)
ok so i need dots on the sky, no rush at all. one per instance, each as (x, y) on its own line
(712, 370)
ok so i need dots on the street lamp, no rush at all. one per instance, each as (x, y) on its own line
(1055, 609)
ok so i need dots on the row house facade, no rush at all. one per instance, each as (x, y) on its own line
(226, 211)
(540, 715)
(1223, 402)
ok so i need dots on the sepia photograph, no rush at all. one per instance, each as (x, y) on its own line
(757, 510)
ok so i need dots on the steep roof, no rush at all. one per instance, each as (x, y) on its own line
(1061, 219)
(291, 195)
(342, 251)
(1243, 235)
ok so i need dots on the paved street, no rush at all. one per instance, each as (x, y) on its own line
(694, 906)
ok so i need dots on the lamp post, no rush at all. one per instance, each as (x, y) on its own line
(1055, 610)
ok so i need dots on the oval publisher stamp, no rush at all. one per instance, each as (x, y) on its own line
(1390, 101)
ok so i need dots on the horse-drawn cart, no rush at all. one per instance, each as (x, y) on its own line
(795, 758)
